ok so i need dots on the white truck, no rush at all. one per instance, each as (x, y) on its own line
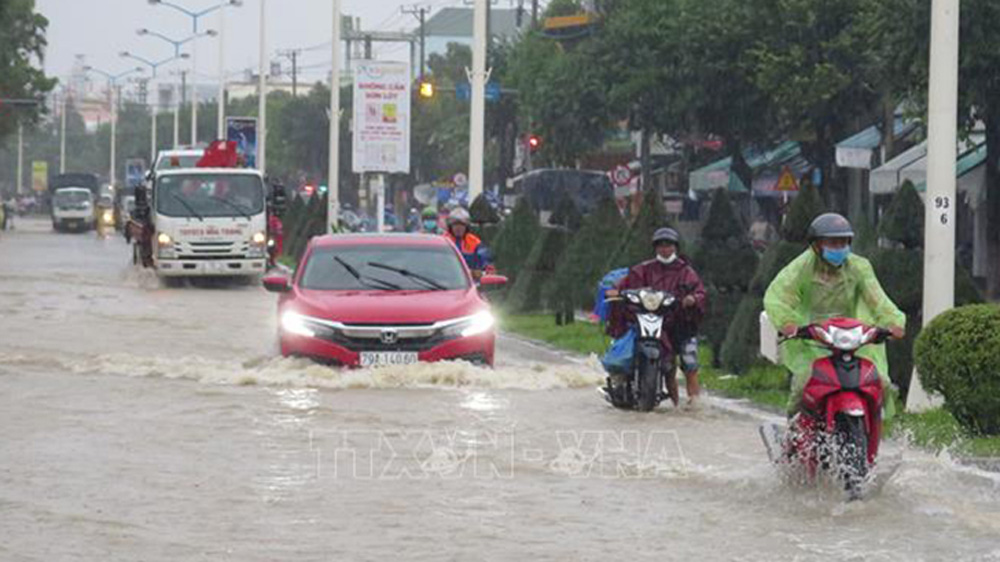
(203, 222)
(73, 209)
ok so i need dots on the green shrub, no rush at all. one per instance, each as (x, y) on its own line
(526, 293)
(583, 263)
(903, 221)
(517, 236)
(637, 245)
(726, 262)
(957, 357)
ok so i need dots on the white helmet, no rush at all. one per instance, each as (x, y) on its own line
(459, 215)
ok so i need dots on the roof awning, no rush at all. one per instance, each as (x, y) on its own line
(858, 151)
(912, 165)
(763, 164)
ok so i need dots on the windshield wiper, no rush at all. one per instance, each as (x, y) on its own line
(385, 285)
(407, 273)
(239, 208)
(187, 205)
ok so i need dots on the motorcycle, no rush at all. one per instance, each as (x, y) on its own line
(641, 388)
(839, 425)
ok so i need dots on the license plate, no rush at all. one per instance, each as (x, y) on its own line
(385, 358)
(215, 267)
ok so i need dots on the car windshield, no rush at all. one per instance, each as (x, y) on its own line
(177, 161)
(209, 195)
(382, 268)
(69, 198)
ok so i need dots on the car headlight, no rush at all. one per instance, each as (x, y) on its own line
(652, 300)
(474, 325)
(258, 239)
(295, 323)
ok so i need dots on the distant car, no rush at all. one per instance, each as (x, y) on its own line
(366, 300)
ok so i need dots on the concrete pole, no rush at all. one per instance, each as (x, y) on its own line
(62, 136)
(177, 117)
(333, 182)
(478, 114)
(20, 158)
(940, 203)
(379, 202)
(220, 124)
(112, 95)
(262, 89)
(194, 94)
(152, 134)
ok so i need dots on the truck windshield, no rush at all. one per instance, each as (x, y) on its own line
(383, 267)
(209, 195)
(71, 198)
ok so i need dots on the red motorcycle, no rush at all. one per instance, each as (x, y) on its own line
(839, 424)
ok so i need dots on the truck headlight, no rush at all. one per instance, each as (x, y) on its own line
(258, 239)
(164, 239)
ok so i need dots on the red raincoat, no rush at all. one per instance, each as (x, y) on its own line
(679, 279)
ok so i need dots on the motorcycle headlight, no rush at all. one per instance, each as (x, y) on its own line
(652, 300)
(108, 217)
(295, 323)
(847, 340)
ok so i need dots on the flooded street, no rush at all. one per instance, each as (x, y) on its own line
(141, 422)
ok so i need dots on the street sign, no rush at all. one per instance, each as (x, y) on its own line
(621, 175)
(382, 117)
(787, 181)
(463, 91)
(40, 175)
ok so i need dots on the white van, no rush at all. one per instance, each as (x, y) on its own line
(73, 209)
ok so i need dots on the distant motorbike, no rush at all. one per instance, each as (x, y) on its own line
(839, 426)
(642, 388)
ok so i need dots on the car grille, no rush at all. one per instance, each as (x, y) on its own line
(409, 338)
(211, 250)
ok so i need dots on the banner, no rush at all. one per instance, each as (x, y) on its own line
(243, 131)
(381, 117)
(40, 175)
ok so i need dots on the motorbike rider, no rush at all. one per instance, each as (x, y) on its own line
(429, 221)
(468, 244)
(828, 281)
(669, 271)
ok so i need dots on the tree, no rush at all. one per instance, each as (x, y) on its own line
(22, 34)
(814, 60)
(903, 221)
(637, 245)
(517, 236)
(726, 262)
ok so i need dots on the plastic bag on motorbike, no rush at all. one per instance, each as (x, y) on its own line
(609, 281)
(618, 359)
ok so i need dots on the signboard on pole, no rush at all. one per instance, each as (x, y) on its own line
(40, 175)
(381, 117)
(243, 131)
(787, 181)
(135, 171)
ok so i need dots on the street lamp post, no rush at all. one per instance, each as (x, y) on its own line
(195, 16)
(153, 65)
(333, 182)
(113, 110)
(262, 87)
(62, 134)
(178, 43)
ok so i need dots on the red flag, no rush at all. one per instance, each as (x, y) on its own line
(219, 154)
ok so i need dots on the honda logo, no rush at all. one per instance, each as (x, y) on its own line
(389, 337)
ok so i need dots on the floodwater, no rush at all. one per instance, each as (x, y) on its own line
(140, 422)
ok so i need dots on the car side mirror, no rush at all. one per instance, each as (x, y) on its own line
(492, 282)
(277, 284)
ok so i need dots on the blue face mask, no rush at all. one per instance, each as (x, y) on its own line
(430, 225)
(836, 258)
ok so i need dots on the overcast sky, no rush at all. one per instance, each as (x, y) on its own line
(100, 29)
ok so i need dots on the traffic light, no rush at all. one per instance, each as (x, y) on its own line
(534, 143)
(426, 89)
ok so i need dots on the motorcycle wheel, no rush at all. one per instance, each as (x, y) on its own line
(648, 386)
(852, 453)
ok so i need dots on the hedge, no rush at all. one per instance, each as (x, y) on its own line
(526, 293)
(956, 356)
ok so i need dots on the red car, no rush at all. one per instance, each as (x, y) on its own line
(363, 300)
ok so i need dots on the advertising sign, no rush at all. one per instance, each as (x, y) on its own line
(382, 117)
(243, 131)
(135, 170)
(40, 175)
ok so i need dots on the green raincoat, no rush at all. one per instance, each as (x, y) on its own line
(808, 291)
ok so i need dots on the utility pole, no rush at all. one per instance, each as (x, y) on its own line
(293, 55)
(62, 135)
(20, 157)
(420, 12)
(477, 118)
(262, 91)
(534, 13)
(177, 117)
(940, 202)
(333, 180)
